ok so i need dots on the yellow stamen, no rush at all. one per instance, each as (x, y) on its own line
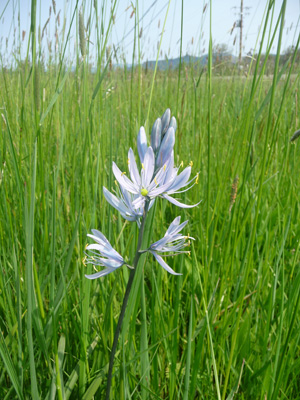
(86, 245)
(143, 166)
(181, 164)
(165, 167)
(83, 261)
(128, 161)
(197, 179)
(116, 182)
(123, 173)
(155, 181)
(191, 163)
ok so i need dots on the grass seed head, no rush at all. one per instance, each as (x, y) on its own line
(234, 188)
(81, 35)
(54, 6)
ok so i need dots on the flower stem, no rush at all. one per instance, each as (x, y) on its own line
(125, 300)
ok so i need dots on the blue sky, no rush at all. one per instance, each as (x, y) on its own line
(151, 15)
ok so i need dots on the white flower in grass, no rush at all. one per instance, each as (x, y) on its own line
(103, 254)
(173, 242)
(150, 185)
(146, 184)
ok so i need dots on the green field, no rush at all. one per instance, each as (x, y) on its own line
(229, 326)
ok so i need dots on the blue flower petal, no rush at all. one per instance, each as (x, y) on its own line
(160, 260)
(166, 147)
(156, 135)
(142, 143)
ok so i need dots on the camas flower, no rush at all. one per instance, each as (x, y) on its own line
(103, 254)
(172, 242)
(148, 185)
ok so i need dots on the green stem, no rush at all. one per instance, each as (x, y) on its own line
(125, 300)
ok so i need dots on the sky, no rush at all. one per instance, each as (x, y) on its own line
(151, 15)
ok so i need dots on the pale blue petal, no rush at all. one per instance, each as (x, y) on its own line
(130, 217)
(166, 147)
(157, 246)
(181, 180)
(156, 135)
(110, 263)
(133, 170)
(128, 198)
(187, 187)
(158, 190)
(174, 228)
(99, 235)
(174, 249)
(173, 124)
(165, 120)
(108, 252)
(164, 264)
(124, 181)
(139, 202)
(95, 246)
(101, 243)
(171, 172)
(114, 201)
(148, 169)
(93, 258)
(177, 203)
(142, 143)
(104, 272)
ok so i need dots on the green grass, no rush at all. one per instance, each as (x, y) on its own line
(229, 326)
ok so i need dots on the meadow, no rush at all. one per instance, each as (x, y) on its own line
(229, 326)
